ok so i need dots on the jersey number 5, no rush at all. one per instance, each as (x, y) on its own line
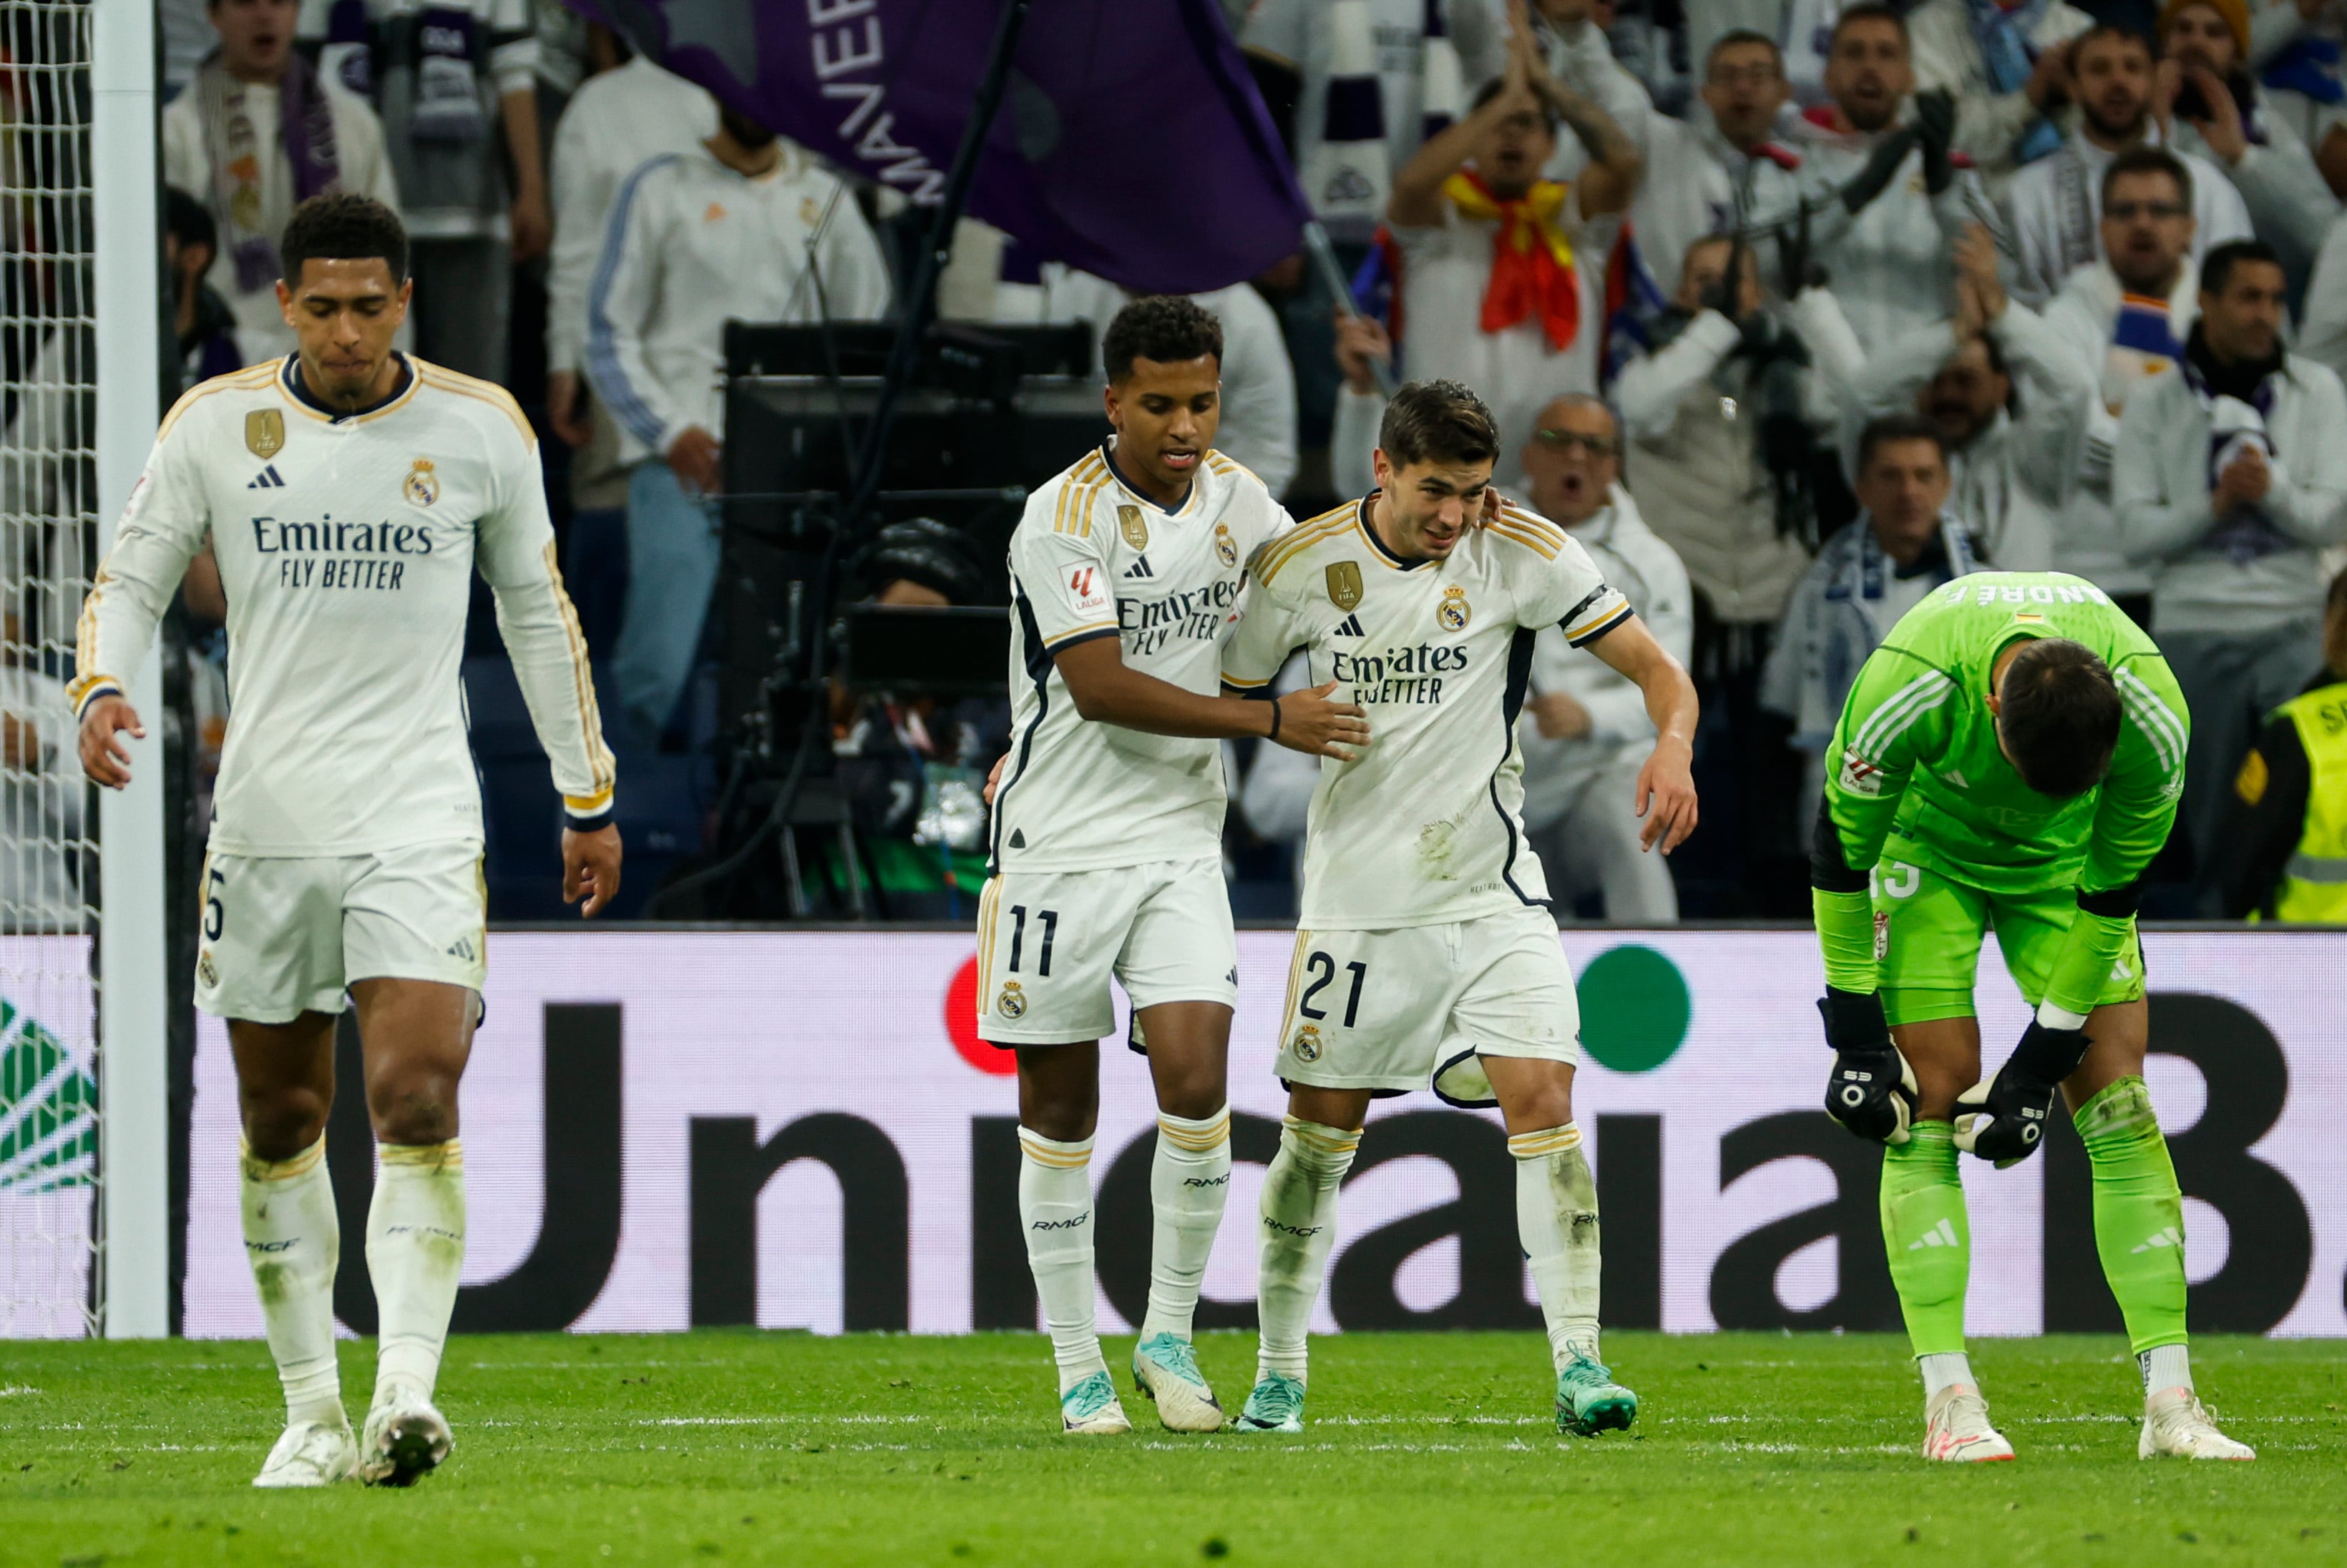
(1051, 922)
(1322, 965)
(214, 916)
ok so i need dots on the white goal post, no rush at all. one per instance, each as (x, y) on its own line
(134, 1138)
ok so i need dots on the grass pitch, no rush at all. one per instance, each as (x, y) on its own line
(715, 1447)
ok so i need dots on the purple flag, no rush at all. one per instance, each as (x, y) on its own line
(1131, 141)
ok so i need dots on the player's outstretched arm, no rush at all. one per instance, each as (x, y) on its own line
(1107, 690)
(1665, 794)
(103, 756)
(591, 867)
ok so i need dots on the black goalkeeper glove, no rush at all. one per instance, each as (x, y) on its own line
(2005, 1120)
(1873, 1090)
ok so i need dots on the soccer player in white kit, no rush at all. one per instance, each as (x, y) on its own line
(349, 493)
(1425, 952)
(1126, 574)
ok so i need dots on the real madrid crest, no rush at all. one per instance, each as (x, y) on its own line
(1226, 549)
(423, 486)
(1306, 1045)
(1453, 614)
(1344, 583)
(264, 433)
(1012, 1002)
(205, 971)
(1133, 526)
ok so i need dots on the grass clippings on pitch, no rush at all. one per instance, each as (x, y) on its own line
(722, 1447)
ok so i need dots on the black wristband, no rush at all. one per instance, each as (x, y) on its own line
(1274, 720)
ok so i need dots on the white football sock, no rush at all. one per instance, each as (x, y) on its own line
(415, 1250)
(1055, 1208)
(1296, 1226)
(293, 1239)
(2165, 1367)
(1189, 1182)
(1944, 1369)
(1556, 1221)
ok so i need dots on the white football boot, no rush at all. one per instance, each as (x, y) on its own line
(2177, 1425)
(1090, 1409)
(1956, 1428)
(405, 1438)
(1166, 1370)
(310, 1453)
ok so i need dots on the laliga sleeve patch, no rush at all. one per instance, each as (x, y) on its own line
(1858, 777)
(1088, 589)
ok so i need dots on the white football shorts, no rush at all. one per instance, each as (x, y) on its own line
(284, 937)
(1413, 1008)
(1049, 941)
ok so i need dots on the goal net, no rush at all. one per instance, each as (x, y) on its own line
(48, 535)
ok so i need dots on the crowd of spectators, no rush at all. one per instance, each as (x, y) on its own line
(1788, 309)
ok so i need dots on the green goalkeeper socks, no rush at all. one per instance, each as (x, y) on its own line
(2139, 1213)
(1925, 1233)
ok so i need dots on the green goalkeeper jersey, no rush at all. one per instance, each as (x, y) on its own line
(1915, 766)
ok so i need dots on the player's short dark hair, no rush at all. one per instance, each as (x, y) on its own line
(1497, 85)
(1893, 427)
(2147, 160)
(1871, 11)
(189, 221)
(1167, 327)
(2216, 267)
(343, 227)
(2058, 715)
(1438, 422)
(1742, 37)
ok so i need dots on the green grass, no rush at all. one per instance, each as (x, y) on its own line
(716, 1448)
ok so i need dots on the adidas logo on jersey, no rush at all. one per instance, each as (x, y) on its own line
(462, 947)
(1140, 567)
(1017, 839)
(2164, 1237)
(268, 480)
(1941, 1235)
(1351, 627)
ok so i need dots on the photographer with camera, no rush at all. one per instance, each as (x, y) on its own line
(1723, 420)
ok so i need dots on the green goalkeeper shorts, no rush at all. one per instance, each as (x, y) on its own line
(1927, 942)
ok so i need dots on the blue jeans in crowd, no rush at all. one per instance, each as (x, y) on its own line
(672, 536)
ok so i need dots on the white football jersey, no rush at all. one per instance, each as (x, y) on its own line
(1093, 557)
(347, 547)
(1425, 825)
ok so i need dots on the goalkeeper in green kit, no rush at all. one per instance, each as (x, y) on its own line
(2010, 757)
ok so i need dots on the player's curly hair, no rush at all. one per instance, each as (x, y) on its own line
(341, 227)
(1167, 327)
(2058, 715)
(1439, 421)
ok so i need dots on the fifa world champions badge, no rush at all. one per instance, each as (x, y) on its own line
(1133, 526)
(1344, 584)
(423, 486)
(264, 433)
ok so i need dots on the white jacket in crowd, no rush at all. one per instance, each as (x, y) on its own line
(1891, 267)
(2085, 316)
(1691, 432)
(692, 245)
(1650, 576)
(365, 166)
(2012, 480)
(2209, 574)
(1946, 54)
(2054, 209)
(615, 122)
